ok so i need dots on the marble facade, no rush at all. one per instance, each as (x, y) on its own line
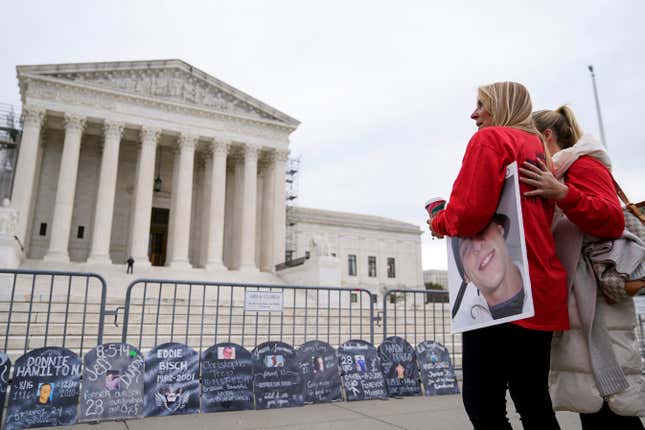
(151, 159)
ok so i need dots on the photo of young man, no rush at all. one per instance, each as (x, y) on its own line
(45, 393)
(488, 274)
(484, 261)
(226, 353)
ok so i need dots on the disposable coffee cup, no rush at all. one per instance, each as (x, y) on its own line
(435, 205)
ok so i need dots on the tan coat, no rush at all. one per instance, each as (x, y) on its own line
(572, 384)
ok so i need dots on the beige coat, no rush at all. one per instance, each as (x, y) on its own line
(572, 381)
(572, 384)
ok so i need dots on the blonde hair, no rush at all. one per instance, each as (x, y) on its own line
(509, 105)
(563, 123)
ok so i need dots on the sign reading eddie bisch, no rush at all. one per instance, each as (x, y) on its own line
(171, 383)
(263, 301)
(44, 391)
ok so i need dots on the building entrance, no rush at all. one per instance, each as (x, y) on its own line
(158, 236)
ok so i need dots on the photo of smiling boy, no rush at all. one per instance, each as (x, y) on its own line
(486, 263)
(488, 272)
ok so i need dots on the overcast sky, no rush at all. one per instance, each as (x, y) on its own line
(384, 90)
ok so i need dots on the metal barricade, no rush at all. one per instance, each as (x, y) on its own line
(50, 308)
(201, 314)
(419, 315)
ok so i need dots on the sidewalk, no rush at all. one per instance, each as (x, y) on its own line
(427, 413)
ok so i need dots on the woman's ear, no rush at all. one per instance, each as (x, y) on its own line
(550, 137)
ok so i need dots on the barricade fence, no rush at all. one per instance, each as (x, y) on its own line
(201, 314)
(50, 308)
(68, 309)
(420, 315)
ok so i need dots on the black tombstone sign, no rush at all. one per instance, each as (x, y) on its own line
(112, 383)
(437, 374)
(5, 367)
(360, 369)
(319, 368)
(227, 378)
(171, 382)
(44, 391)
(277, 382)
(399, 367)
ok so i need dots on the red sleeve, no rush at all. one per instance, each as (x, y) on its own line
(475, 193)
(591, 202)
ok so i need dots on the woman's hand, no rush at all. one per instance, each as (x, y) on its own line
(432, 232)
(546, 185)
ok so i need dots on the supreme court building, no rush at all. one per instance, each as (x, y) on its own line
(161, 162)
(151, 159)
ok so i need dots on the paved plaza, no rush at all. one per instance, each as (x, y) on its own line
(427, 413)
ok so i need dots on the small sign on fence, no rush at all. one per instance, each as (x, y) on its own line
(263, 301)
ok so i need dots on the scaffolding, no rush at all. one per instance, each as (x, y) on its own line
(10, 131)
(293, 167)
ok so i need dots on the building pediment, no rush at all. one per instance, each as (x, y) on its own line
(162, 80)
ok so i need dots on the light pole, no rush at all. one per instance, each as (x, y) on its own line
(595, 93)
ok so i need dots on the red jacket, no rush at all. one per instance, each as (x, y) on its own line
(474, 200)
(591, 202)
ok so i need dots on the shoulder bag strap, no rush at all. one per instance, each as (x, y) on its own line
(621, 193)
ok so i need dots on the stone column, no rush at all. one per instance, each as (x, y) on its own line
(65, 190)
(238, 203)
(142, 207)
(249, 196)
(267, 259)
(180, 216)
(217, 201)
(25, 176)
(102, 229)
(203, 215)
(280, 213)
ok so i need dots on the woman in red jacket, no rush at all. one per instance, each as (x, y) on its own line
(512, 355)
(595, 366)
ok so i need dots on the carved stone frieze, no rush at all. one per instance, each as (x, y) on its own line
(45, 91)
(169, 84)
